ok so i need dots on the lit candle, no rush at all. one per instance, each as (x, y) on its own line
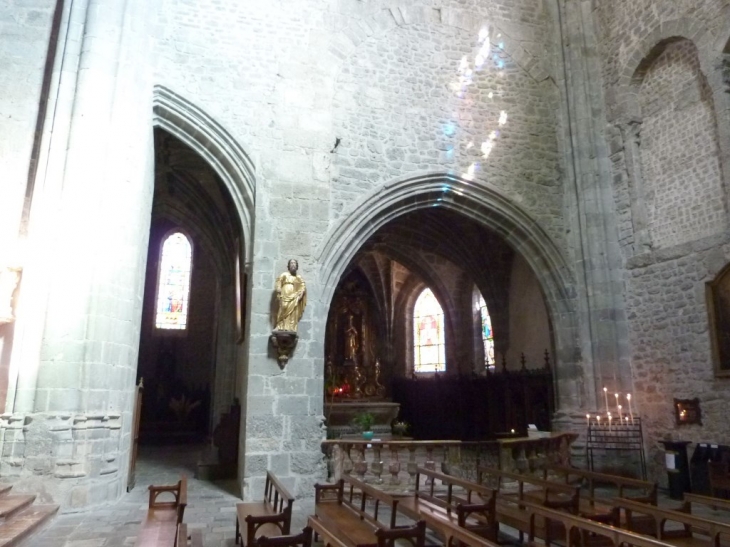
(628, 398)
(617, 407)
(609, 421)
(588, 420)
(605, 397)
(598, 419)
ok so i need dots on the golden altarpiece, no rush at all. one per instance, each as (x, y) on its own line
(356, 375)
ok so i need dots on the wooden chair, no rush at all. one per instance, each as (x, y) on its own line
(719, 477)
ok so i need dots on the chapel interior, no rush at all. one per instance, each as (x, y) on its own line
(363, 240)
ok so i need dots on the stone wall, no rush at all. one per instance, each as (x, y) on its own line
(668, 129)
(25, 28)
(332, 102)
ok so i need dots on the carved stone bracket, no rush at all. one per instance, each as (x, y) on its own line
(9, 278)
(284, 341)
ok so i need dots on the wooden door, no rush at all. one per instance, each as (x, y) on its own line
(134, 434)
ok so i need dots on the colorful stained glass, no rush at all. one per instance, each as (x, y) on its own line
(487, 333)
(173, 290)
(428, 334)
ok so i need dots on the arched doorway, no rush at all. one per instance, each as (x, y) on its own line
(203, 193)
(453, 237)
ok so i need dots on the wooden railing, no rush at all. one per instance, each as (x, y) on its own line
(395, 462)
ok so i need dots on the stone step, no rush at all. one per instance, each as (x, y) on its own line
(22, 524)
(12, 503)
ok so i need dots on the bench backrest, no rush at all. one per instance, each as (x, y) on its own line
(475, 493)
(366, 492)
(276, 494)
(456, 534)
(621, 484)
(715, 503)
(303, 539)
(578, 528)
(328, 538)
(571, 493)
(692, 523)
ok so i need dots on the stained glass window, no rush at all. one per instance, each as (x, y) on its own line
(173, 290)
(487, 333)
(428, 334)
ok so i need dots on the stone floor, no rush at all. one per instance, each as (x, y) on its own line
(211, 507)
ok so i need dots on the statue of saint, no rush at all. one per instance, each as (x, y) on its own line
(291, 293)
(351, 341)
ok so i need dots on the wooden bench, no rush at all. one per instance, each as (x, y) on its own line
(708, 501)
(304, 538)
(693, 532)
(185, 539)
(160, 527)
(271, 516)
(349, 511)
(596, 505)
(452, 534)
(549, 494)
(719, 477)
(582, 532)
(472, 506)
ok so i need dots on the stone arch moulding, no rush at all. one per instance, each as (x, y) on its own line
(478, 201)
(199, 131)
(346, 42)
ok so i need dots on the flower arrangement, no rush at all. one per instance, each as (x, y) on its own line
(364, 421)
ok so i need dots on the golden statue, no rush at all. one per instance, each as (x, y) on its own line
(291, 293)
(351, 341)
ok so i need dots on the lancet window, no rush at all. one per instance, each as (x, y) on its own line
(173, 289)
(429, 349)
(486, 332)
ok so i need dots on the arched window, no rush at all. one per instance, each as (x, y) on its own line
(173, 289)
(429, 351)
(486, 331)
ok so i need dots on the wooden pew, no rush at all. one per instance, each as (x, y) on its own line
(581, 532)
(185, 539)
(452, 534)
(327, 538)
(599, 507)
(349, 517)
(694, 531)
(708, 501)
(472, 506)
(270, 516)
(160, 527)
(549, 494)
(303, 539)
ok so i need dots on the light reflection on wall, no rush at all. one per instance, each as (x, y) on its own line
(466, 72)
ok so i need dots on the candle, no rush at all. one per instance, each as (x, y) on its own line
(605, 397)
(588, 420)
(617, 407)
(609, 421)
(628, 398)
(598, 419)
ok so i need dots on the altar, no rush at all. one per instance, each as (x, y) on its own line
(340, 414)
(355, 380)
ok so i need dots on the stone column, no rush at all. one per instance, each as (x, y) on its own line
(79, 400)
(597, 257)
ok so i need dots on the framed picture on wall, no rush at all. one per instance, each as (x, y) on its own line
(718, 309)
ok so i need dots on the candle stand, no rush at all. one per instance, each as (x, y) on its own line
(605, 438)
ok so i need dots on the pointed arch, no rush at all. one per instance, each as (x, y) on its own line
(208, 138)
(478, 201)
